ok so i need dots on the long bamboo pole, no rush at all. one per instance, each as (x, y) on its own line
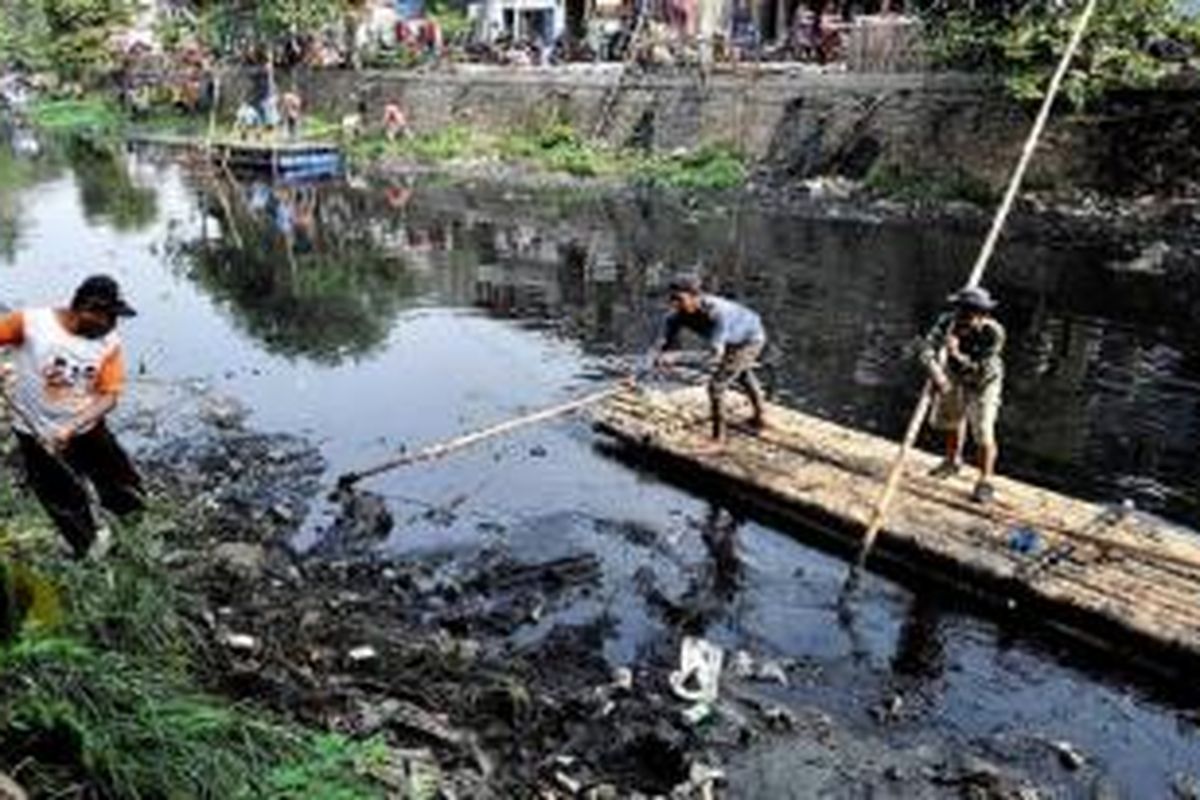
(879, 515)
(441, 449)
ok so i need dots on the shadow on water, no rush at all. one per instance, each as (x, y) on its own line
(371, 316)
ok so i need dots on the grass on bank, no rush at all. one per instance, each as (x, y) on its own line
(920, 187)
(86, 114)
(558, 148)
(553, 147)
(103, 698)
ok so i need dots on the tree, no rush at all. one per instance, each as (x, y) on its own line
(24, 34)
(1131, 43)
(265, 24)
(81, 33)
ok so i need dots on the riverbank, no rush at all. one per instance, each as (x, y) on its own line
(108, 683)
(539, 551)
(1147, 236)
(1145, 232)
(205, 658)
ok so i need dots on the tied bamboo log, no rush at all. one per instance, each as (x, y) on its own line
(443, 449)
(1112, 577)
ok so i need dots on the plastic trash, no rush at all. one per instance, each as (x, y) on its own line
(1024, 539)
(698, 677)
(697, 713)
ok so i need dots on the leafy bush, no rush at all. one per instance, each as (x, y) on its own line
(89, 114)
(447, 144)
(711, 167)
(1131, 44)
(893, 181)
(556, 146)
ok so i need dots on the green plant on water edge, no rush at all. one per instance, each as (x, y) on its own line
(107, 696)
(896, 182)
(555, 146)
(83, 114)
(714, 166)
(446, 144)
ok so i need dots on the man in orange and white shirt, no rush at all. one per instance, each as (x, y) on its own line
(69, 372)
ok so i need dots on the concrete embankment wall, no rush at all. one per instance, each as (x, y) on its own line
(798, 121)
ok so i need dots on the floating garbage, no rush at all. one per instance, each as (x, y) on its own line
(698, 676)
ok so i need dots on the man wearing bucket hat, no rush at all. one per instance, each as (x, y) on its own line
(968, 384)
(69, 372)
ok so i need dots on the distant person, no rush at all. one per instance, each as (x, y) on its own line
(735, 335)
(969, 385)
(395, 122)
(354, 123)
(293, 108)
(246, 120)
(268, 115)
(69, 373)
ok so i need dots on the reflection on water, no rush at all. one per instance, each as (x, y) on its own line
(24, 163)
(303, 270)
(1103, 397)
(110, 190)
(371, 316)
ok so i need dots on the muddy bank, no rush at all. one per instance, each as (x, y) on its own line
(444, 656)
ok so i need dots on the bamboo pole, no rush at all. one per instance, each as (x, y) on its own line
(442, 449)
(879, 516)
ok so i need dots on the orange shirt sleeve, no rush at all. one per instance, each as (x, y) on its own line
(111, 378)
(12, 329)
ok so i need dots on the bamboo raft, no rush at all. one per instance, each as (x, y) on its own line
(1118, 580)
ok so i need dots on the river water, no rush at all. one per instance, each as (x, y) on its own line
(371, 316)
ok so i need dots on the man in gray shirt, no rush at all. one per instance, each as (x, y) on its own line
(735, 335)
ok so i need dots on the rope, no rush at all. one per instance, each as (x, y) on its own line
(879, 515)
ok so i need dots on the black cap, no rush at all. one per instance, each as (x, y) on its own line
(684, 284)
(101, 293)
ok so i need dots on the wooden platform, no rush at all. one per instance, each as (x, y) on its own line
(267, 156)
(279, 156)
(1120, 580)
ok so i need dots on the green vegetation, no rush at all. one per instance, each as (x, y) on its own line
(1130, 44)
(893, 181)
(86, 115)
(101, 699)
(452, 17)
(556, 147)
(710, 167)
(72, 37)
(230, 24)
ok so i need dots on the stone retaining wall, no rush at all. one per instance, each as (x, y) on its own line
(797, 121)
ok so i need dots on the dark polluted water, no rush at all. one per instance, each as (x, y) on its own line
(367, 317)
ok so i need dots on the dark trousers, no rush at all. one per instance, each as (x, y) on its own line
(95, 456)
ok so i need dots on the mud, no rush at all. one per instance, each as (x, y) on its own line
(434, 654)
(419, 309)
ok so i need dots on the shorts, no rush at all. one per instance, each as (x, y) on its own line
(980, 407)
(738, 360)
